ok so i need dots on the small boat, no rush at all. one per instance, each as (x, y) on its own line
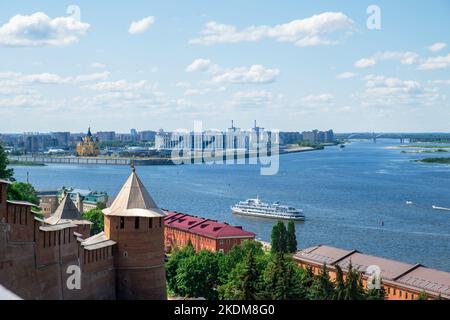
(440, 208)
(409, 202)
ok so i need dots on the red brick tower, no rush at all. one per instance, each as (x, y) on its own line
(136, 223)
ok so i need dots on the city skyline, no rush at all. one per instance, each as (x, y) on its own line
(294, 67)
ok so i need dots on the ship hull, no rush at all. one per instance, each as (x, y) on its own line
(266, 216)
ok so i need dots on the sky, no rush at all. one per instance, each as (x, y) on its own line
(290, 65)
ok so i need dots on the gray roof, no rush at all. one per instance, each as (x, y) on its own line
(417, 277)
(97, 241)
(66, 211)
(60, 226)
(134, 200)
(22, 203)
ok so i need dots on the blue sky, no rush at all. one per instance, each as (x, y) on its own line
(291, 65)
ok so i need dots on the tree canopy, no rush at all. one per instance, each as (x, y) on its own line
(5, 172)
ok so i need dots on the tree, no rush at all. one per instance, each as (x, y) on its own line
(322, 287)
(96, 217)
(353, 285)
(5, 173)
(244, 281)
(197, 275)
(282, 279)
(22, 191)
(172, 265)
(236, 255)
(279, 238)
(339, 283)
(422, 296)
(291, 238)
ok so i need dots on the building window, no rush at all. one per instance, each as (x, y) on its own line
(122, 222)
(395, 292)
(406, 295)
(136, 222)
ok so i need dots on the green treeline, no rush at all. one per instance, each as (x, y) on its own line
(247, 272)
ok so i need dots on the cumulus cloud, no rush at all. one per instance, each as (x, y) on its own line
(440, 62)
(438, 46)
(254, 74)
(406, 58)
(199, 65)
(311, 31)
(346, 75)
(253, 97)
(39, 29)
(391, 91)
(123, 85)
(17, 78)
(141, 26)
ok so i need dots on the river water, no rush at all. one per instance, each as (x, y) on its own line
(346, 194)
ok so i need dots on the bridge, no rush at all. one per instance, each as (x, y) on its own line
(403, 137)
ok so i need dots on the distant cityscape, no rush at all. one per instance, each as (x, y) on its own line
(150, 142)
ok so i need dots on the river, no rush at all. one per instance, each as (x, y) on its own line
(346, 195)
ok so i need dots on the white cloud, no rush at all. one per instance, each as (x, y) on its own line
(393, 92)
(438, 46)
(346, 75)
(17, 78)
(253, 74)
(141, 25)
(254, 97)
(440, 82)
(365, 63)
(440, 62)
(40, 30)
(310, 31)
(406, 58)
(199, 65)
(123, 85)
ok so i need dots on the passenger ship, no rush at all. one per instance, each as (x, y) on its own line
(257, 208)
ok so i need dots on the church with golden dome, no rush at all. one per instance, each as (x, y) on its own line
(88, 147)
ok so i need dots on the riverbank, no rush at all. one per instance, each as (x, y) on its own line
(435, 160)
(196, 157)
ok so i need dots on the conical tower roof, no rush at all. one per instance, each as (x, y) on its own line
(134, 200)
(65, 211)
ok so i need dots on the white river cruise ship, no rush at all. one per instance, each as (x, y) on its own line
(257, 208)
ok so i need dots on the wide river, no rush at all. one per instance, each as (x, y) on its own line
(345, 194)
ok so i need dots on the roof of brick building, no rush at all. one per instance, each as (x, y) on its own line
(415, 276)
(205, 227)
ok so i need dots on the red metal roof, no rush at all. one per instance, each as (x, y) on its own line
(205, 227)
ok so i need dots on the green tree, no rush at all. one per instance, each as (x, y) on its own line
(5, 173)
(96, 217)
(244, 281)
(197, 275)
(282, 279)
(353, 285)
(172, 265)
(322, 287)
(279, 238)
(339, 283)
(291, 238)
(236, 255)
(422, 296)
(22, 191)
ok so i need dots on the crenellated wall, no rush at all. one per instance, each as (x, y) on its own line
(34, 262)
